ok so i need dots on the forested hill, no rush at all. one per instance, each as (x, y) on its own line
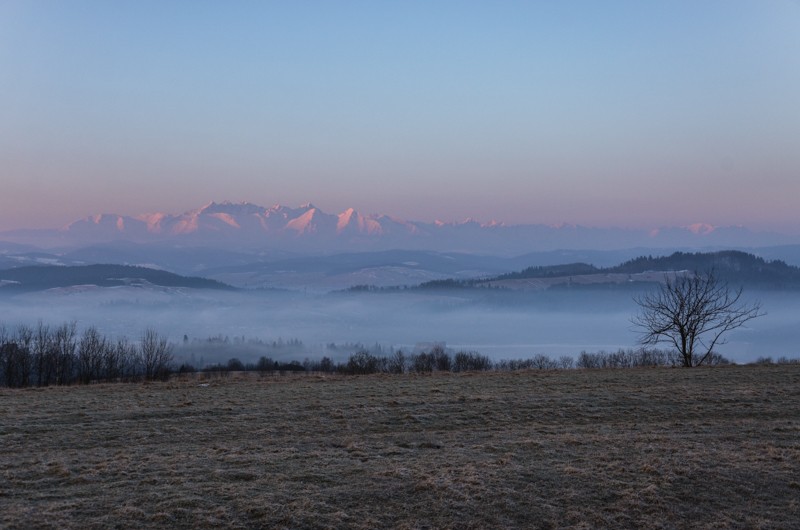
(38, 278)
(731, 265)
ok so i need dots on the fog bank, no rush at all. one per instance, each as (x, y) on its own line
(500, 325)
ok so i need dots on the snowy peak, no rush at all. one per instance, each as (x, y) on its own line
(110, 225)
(313, 221)
(697, 229)
(351, 222)
(469, 222)
(232, 209)
(104, 220)
(346, 219)
(303, 224)
(152, 221)
(701, 228)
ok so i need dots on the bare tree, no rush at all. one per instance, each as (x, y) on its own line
(23, 356)
(396, 363)
(65, 345)
(692, 313)
(156, 355)
(565, 362)
(128, 359)
(43, 354)
(363, 362)
(91, 350)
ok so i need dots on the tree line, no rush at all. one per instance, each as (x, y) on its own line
(729, 265)
(44, 355)
(438, 359)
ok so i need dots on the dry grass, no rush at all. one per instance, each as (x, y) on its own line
(656, 448)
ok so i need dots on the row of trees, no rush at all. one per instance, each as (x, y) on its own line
(362, 362)
(439, 360)
(436, 360)
(45, 355)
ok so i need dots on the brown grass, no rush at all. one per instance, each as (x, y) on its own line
(655, 448)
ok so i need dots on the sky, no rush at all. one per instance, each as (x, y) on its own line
(614, 113)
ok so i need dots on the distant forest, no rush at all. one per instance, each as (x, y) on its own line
(731, 265)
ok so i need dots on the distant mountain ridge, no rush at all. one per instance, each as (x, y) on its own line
(733, 266)
(43, 277)
(309, 229)
(245, 220)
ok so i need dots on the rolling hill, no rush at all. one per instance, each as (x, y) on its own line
(40, 278)
(734, 267)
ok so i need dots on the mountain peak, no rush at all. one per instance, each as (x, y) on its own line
(701, 228)
(105, 221)
(231, 208)
(354, 223)
(312, 221)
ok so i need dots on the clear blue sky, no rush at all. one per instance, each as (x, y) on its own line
(613, 113)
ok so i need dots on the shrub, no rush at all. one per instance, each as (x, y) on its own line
(363, 362)
(235, 365)
(396, 363)
(471, 362)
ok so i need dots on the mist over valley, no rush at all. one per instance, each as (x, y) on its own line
(552, 303)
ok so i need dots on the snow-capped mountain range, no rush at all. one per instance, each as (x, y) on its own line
(244, 222)
(307, 228)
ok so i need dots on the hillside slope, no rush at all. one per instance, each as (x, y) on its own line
(39, 278)
(731, 266)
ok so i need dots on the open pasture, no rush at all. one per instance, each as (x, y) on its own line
(659, 448)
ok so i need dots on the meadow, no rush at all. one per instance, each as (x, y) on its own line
(631, 448)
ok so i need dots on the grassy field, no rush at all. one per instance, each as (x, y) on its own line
(656, 448)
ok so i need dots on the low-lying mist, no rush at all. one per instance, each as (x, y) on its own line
(500, 325)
